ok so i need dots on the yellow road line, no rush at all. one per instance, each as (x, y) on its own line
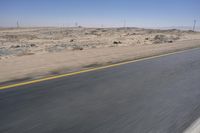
(88, 70)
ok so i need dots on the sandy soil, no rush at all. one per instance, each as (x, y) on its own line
(33, 52)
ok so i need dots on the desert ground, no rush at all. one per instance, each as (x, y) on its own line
(38, 52)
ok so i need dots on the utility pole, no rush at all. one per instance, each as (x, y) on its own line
(124, 23)
(194, 26)
(76, 24)
(17, 24)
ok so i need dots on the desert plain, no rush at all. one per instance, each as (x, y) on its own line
(29, 53)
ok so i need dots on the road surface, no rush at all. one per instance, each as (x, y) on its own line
(160, 95)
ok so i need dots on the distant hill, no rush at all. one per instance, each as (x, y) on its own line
(181, 28)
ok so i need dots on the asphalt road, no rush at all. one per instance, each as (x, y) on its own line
(160, 95)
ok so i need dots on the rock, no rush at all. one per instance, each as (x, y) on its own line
(170, 41)
(75, 47)
(15, 46)
(33, 45)
(117, 42)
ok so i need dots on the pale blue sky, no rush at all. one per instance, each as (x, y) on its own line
(137, 13)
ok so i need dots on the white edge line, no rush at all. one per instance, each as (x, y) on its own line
(194, 127)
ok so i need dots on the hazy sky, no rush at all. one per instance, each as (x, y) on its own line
(142, 13)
